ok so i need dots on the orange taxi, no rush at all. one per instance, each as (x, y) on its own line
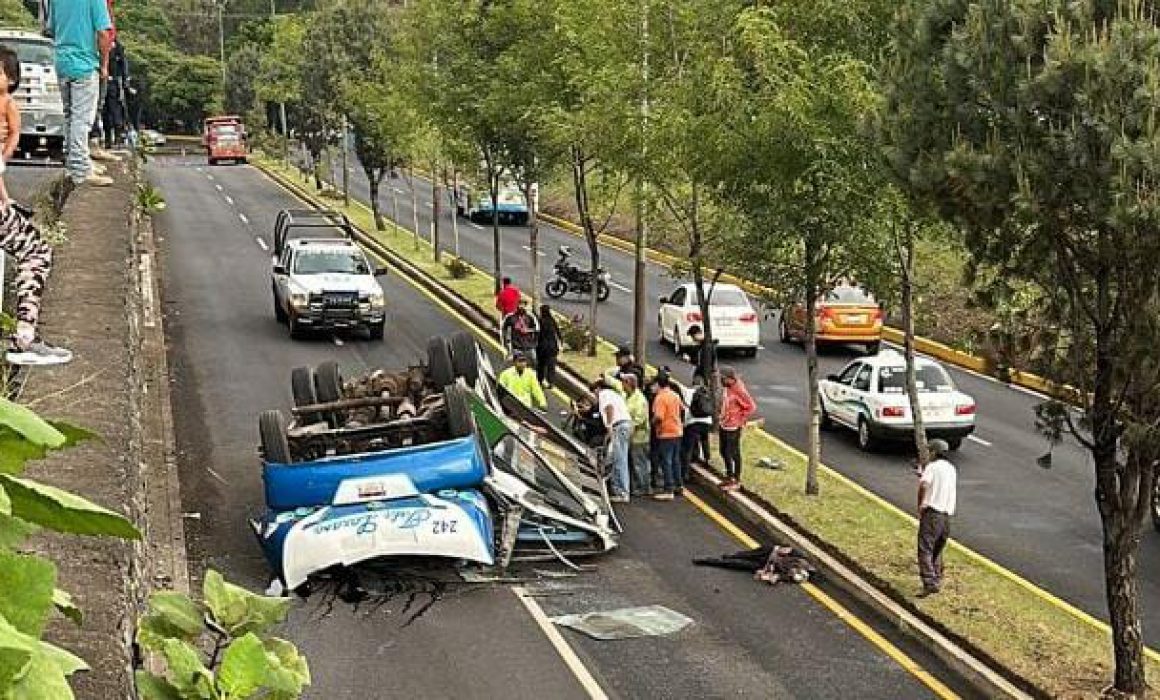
(845, 314)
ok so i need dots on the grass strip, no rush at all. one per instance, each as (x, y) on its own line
(1053, 650)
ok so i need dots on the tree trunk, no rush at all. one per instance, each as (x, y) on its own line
(640, 297)
(533, 241)
(455, 210)
(814, 407)
(1121, 539)
(580, 189)
(493, 189)
(436, 210)
(906, 258)
(395, 206)
(414, 204)
(374, 179)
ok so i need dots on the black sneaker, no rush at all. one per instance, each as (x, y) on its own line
(37, 354)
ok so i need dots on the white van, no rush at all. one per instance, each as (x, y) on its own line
(41, 109)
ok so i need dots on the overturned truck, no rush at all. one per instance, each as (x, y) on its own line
(434, 460)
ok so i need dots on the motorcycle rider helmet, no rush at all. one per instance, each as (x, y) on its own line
(565, 251)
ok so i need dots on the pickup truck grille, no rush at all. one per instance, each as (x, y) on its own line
(339, 300)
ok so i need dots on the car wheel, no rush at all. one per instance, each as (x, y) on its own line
(439, 364)
(272, 431)
(296, 329)
(302, 388)
(279, 312)
(955, 443)
(464, 358)
(213, 161)
(661, 338)
(458, 411)
(866, 441)
(826, 423)
(678, 347)
(783, 330)
(328, 388)
(375, 331)
(749, 352)
(873, 348)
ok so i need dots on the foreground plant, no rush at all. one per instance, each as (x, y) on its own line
(219, 649)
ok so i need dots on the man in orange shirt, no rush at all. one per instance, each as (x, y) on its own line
(668, 413)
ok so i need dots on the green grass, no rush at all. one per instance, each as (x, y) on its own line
(1037, 640)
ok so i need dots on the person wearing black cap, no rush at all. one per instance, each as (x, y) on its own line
(706, 359)
(937, 496)
(626, 362)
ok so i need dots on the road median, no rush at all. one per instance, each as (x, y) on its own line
(1032, 638)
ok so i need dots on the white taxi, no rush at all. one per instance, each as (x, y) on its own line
(869, 397)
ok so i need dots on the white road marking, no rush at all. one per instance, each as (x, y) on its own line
(539, 253)
(219, 188)
(243, 218)
(475, 225)
(197, 168)
(567, 655)
(209, 176)
(261, 243)
(979, 440)
(229, 200)
(621, 287)
(398, 191)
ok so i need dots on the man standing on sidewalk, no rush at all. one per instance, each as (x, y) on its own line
(638, 452)
(618, 421)
(669, 420)
(81, 30)
(937, 494)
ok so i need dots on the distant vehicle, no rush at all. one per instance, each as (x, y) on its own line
(41, 109)
(513, 208)
(224, 138)
(845, 314)
(735, 323)
(567, 277)
(869, 397)
(323, 280)
(152, 137)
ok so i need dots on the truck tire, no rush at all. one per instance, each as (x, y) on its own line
(439, 366)
(328, 387)
(376, 331)
(302, 387)
(279, 312)
(464, 359)
(459, 419)
(272, 431)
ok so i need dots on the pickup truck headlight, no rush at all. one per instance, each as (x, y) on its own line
(377, 299)
(299, 300)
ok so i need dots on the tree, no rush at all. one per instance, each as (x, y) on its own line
(244, 66)
(1032, 127)
(798, 167)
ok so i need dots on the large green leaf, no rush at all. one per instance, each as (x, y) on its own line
(150, 687)
(187, 671)
(16, 652)
(30, 426)
(171, 615)
(13, 531)
(62, 511)
(289, 673)
(244, 667)
(16, 451)
(45, 680)
(63, 601)
(239, 611)
(68, 662)
(26, 588)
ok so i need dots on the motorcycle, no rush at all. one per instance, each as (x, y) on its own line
(567, 277)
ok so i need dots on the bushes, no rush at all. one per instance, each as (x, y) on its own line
(457, 268)
(575, 332)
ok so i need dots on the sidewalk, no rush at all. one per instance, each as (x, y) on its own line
(91, 307)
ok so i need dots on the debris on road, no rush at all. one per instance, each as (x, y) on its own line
(626, 623)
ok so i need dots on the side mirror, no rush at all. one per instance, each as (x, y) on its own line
(662, 300)
(832, 377)
(279, 269)
(381, 271)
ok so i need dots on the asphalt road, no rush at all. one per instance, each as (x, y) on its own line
(22, 179)
(1042, 524)
(230, 360)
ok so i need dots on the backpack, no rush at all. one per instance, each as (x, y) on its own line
(702, 404)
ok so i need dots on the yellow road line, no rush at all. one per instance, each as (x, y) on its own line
(841, 612)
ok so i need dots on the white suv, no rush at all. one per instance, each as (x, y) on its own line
(869, 397)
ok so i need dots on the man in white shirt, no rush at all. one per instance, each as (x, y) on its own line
(614, 412)
(937, 493)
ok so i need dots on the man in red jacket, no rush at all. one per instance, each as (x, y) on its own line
(737, 407)
(507, 299)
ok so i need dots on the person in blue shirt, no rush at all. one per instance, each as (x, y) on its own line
(82, 34)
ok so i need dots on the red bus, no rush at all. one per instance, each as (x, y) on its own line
(224, 138)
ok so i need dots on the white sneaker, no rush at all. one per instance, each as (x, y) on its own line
(96, 180)
(102, 154)
(37, 354)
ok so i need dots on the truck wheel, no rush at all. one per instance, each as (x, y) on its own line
(464, 359)
(439, 366)
(279, 312)
(459, 420)
(272, 431)
(302, 387)
(375, 332)
(328, 387)
(296, 330)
